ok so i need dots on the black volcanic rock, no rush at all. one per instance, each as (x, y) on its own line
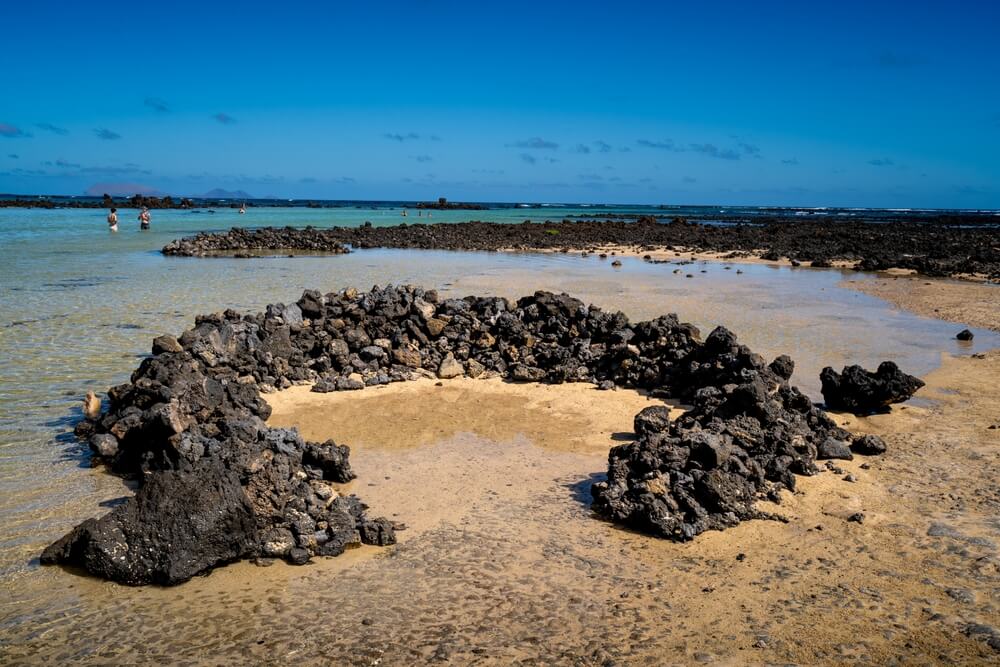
(240, 242)
(179, 524)
(862, 392)
(868, 445)
(939, 246)
(218, 484)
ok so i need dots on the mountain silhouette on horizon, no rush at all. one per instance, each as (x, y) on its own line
(219, 193)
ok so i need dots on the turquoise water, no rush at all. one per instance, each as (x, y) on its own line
(79, 307)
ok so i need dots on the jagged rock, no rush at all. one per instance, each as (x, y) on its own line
(863, 392)
(352, 382)
(166, 343)
(330, 459)
(194, 410)
(654, 419)
(831, 448)
(311, 303)
(178, 525)
(783, 366)
(474, 368)
(435, 326)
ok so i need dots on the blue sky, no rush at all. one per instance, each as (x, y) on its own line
(788, 103)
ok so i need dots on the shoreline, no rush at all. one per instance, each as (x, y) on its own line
(964, 302)
(518, 510)
(936, 251)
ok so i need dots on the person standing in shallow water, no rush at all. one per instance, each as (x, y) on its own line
(113, 220)
(144, 218)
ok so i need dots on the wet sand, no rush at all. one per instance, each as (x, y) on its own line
(968, 303)
(503, 562)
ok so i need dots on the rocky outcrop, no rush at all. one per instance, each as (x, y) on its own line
(746, 437)
(218, 484)
(941, 246)
(862, 392)
(241, 242)
(178, 525)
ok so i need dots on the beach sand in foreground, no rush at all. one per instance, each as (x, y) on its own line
(504, 560)
(495, 573)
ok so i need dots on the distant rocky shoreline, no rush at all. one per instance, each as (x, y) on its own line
(943, 248)
(218, 484)
(136, 201)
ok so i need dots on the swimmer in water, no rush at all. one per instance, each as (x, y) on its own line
(144, 218)
(113, 220)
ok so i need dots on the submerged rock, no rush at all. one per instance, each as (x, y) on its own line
(863, 392)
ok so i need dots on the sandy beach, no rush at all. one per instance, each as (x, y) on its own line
(921, 568)
(502, 562)
(501, 552)
(963, 302)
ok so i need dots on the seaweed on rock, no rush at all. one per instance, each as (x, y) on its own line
(218, 484)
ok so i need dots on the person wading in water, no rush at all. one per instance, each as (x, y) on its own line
(144, 218)
(113, 220)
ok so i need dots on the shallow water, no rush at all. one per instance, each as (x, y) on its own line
(79, 307)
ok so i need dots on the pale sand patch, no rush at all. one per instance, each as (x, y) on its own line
(426, 450)
(426, 411)
(964, 302)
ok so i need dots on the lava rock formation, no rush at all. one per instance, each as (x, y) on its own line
(218, 484)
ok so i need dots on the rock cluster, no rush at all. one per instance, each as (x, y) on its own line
(746, 437)
(943, 246)
(218, 484)
(238, 241)
(862, 392)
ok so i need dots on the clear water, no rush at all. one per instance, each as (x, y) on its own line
(79, 307)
